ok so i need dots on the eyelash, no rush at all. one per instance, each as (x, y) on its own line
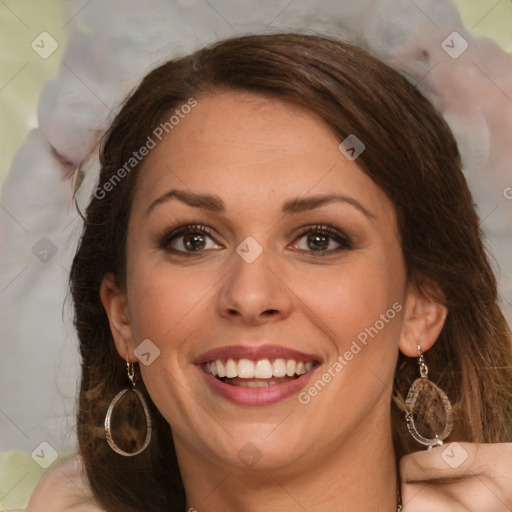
(333, 233)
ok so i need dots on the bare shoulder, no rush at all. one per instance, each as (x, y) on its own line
(64, 488)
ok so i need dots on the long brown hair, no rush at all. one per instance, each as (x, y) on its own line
(410, 154)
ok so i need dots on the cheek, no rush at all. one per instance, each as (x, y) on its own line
(169, 307)
(161, 299)
(345, 299)
(356, 301)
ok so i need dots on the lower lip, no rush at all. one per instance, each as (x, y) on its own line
(267, 395)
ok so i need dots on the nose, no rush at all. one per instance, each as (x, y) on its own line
(255, 293)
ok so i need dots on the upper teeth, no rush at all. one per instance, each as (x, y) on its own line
(261, 369)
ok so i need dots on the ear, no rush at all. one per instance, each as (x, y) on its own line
(116, 306)
(423, 318)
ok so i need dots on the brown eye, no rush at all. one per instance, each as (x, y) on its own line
(321, 238)
(188, 239)
(318, 241)
(194, 241)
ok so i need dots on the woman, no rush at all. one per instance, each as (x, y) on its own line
(280, 244)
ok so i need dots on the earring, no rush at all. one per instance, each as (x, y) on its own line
(127, 421)
(424, 404)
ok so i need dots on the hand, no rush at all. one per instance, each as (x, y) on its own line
(458, 477)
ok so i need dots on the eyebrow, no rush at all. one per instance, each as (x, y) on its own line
(214, 203)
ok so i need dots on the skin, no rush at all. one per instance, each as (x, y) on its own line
(64, 488)
(336, 451)
(458, 477)
(479, 474)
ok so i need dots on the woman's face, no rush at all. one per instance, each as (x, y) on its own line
(299, 269)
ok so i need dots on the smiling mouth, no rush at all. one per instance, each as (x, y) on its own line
(259, 373)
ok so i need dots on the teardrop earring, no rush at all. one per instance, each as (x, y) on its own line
(423, 405)
(130, 433)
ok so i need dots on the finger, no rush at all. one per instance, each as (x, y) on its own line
(452, 460)
(476, 475)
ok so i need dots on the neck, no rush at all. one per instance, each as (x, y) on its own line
(353, 475)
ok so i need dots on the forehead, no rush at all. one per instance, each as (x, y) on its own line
(257, 149)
